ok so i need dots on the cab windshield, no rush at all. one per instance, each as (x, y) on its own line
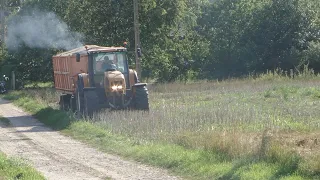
(116, 60)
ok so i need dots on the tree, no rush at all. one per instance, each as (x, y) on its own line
(252, 36)
(216, 39)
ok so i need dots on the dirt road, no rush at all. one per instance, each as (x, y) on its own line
(60, 157)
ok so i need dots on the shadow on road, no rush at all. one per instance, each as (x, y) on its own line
(2, 101)
(24, 124)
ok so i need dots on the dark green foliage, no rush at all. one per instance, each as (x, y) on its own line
(254, 36)
(183, 39)
(54, 118)
(31, 64)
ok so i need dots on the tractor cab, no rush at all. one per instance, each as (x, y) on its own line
(109, 80)
(109, 62)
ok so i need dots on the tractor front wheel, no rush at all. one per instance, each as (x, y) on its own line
(141, 98)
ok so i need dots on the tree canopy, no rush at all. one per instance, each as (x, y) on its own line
(180, 39)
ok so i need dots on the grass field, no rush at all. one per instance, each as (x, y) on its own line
(254, 128)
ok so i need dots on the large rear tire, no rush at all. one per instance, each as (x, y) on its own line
(80, 106)
(80, 103)
(87, 101)
(141, 99)
(73, 104)
(91, 102)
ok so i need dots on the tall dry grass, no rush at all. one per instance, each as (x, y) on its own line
(230, 116)
(237, 117)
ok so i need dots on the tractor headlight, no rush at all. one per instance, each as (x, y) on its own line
(115, 87)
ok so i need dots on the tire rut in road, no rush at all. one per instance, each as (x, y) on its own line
(51, 164)
(61, 157)
(55, 157)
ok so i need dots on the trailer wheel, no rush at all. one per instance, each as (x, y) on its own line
(64, 102)
(141, 99)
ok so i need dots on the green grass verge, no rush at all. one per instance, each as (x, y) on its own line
(189, 163)
(193, 164)
(17, 169)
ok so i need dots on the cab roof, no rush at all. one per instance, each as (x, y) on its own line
(91, 48)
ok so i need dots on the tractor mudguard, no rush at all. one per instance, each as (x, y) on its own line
(139, 84)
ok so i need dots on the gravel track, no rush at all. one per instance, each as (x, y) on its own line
(61, 157)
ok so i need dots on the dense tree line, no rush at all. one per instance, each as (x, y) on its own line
(185, 38)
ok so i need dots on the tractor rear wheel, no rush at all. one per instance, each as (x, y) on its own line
(73, 104)
(80, 105)
(141, 99)
(91, 102)
(87, 100)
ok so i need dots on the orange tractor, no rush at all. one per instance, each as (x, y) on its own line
(93, 77)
